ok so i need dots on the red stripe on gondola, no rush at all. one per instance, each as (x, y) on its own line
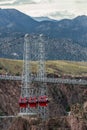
(23, 103)
(32, 102)
(43, 101)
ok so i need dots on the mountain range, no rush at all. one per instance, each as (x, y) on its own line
(65, 39)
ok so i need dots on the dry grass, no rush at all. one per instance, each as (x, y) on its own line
(14, 67)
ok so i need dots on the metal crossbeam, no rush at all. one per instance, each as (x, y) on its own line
(11, 116)
(47, 80)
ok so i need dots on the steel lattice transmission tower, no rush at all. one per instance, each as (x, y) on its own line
(27, 90)
(43, 91)
(34, 100)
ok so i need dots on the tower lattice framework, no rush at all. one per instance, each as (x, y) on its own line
(27, 90)
(41, 74)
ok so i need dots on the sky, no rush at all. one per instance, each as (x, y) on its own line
(55, 9)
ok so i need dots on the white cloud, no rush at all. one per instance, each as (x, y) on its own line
(81, 1)
(61, 14)
(15, 2)
(53, 8)
(7, 2)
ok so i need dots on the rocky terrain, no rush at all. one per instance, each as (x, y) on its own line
(67, 108)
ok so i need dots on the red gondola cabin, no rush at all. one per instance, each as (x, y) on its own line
(32, 102)
(43, 101)
(23, 103)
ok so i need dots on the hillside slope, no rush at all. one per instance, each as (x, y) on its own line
(64, 98)
(56, 68)
(12, 20)
(65, 39)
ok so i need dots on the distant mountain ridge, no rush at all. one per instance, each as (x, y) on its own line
(66, 39)
(15, 21)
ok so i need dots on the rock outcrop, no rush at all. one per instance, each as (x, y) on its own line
(67, 108)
